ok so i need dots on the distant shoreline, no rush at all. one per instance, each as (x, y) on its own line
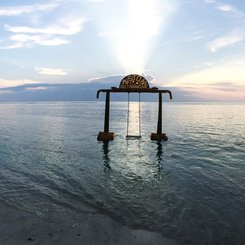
(120, 101)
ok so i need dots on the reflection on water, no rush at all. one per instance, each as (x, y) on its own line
(105, 149)
(190, 188)
(159, 155)
(134, 127)
(105, 154)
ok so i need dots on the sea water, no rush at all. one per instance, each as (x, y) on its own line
(190, 188)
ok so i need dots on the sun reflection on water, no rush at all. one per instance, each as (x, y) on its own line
(134, 119)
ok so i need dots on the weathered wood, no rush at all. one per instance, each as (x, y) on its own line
(132, 84)
(159, 123)
(107, 113)
(118, 90)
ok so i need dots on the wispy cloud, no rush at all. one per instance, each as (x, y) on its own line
(51, 71)
(217, 92)
(197, 35)
(27, 9)
(37, 88)
(28, 41)
(95, 1)
(111, 34)
(226, 41)
(227, 8)
(208, 63)
(230, 71)
(66, 26)
(216, 82)
(45, 31)
(210, 1)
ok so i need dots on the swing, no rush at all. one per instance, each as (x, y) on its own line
(132, 83)
(128, 136)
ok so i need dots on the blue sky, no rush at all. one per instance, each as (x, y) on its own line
(195, 45)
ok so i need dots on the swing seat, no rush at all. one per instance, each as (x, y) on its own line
(132, 137)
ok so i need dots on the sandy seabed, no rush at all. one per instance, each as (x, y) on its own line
(21, 227)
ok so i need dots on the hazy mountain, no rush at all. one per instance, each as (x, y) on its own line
(82, 92)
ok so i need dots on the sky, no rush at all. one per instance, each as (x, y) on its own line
(193, 46)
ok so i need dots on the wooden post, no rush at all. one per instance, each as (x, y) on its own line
(159, 135)
(159, 123)
(107, 113)
(106, 135)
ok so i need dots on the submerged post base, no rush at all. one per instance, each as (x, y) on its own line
(159, 137)
(102, 136)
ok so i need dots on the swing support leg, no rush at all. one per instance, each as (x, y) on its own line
(106, 135)
(159, 135)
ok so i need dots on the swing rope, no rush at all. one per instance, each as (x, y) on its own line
(139, 117)
(134, 136)
(128, 114)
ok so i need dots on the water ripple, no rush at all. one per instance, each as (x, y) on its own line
(190, 188)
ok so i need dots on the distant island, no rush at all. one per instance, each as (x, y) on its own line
(83, 91)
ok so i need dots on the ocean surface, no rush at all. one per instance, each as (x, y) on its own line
(190, 188)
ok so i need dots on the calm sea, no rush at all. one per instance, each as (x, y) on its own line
(190, 188)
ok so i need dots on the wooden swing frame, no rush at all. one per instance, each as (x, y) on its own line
(132, 84)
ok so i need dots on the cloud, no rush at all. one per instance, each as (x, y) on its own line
(224, 82)
(66, 26)
(95, 1)
(210, 1)
(194, 38)
(7, 83)
(117, 79)
(36, 88)
(111, 34)
(50, 29)
(208, 63)
(217, 92)
(222, 92)
(226, 41)
(226, 8)
(27, 9)
(231, 71)
(28, 41)
(51, 71)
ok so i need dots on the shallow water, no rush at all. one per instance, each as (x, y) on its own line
(190, 188)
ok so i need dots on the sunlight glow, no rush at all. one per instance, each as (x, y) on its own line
(144, 23)
(231, 71)
(132, 36)
(222, 82)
